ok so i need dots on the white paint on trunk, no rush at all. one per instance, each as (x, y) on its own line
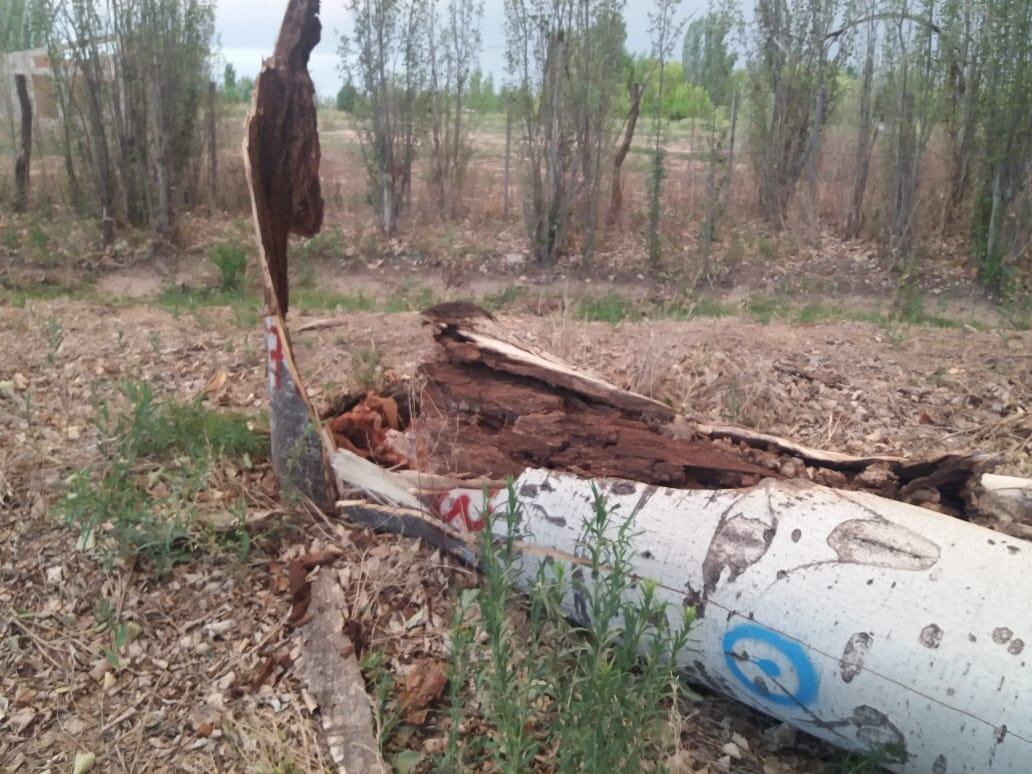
(864, 621)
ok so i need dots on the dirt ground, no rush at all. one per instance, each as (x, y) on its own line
(183, 696)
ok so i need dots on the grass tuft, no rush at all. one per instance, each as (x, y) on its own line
(157, 459)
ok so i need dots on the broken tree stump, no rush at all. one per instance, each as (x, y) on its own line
(281, 159)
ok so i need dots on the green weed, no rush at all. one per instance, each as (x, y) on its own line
(231, 261)
(366, 368)
(610, 308)
(594, 696)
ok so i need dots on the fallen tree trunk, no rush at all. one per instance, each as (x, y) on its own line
(872, 624)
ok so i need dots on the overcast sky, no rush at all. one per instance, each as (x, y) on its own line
(247, 29)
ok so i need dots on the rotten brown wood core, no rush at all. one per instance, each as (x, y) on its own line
(283, 146)
(489, 407)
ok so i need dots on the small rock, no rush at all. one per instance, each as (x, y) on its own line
(108, 681)
(732, 750)
(741, 741)
(515, 259)
(724, 764)
(54, 574)
(20, 382)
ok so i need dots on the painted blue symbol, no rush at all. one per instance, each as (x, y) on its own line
(791, 680)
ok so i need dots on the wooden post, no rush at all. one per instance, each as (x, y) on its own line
(213, 161)
(21, 166)
(508, 146)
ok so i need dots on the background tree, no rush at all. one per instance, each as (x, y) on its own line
(453, 44)
(792, 83)
(388, 59)
(664, 30)
(706, 60)
(999, 240)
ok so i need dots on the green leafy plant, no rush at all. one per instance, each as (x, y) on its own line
(231, 261)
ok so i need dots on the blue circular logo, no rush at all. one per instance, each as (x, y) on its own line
(783, 673)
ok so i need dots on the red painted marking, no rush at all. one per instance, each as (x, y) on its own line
(275, 353)
(461, 509)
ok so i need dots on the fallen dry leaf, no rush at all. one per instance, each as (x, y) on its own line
(424, 685)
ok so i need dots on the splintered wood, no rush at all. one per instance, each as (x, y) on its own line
(490, 406)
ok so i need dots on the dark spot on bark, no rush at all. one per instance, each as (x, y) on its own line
(870, 581)
(1013, 549)
(931, 636)
(852, 662)
(972, 638)
(781, 574)
(1000, 732)
(882, 544)
(559, 521)
(1001, 635)
(939, 765)
(547, 487)
(646, 554)
(695, 600)
(528, 490)
(875, 728)
(738, 543)
(796, 535)
(623, 488)
(1016, 646)
(951, 692)
(761, 686)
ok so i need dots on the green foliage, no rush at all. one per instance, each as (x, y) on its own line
(483, 98)
(231, 261)
(705, 57)
(234, 89)
(595, 696)
(610, 308)
(347, 97)
(156, 460)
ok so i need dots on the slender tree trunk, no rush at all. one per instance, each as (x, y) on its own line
(213, 161)
(165, 219)
(101, 160)
(508, 152)
(865, 139)
(616, 194)
(21, 166)
(731, 144)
